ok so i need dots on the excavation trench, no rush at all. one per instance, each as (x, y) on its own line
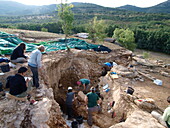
(65, 70)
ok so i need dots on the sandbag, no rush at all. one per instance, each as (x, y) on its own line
(81, 95)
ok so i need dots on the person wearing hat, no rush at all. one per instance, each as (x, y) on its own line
(166, 115)
(69, 102)
(35, 64)
(18, 85)
(91, 100)
(84, 84)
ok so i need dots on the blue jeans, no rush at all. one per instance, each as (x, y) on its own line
(34, 71)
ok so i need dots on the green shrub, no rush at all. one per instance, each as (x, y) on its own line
(44, 29)
(146, 55)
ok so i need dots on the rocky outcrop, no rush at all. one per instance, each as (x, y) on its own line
(139, 119)
(44, 114)
(125, 72)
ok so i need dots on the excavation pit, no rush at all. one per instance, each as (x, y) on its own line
(66, 68)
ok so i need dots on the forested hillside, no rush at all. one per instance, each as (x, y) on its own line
(160, 8)
(11, 8)
(151, 30)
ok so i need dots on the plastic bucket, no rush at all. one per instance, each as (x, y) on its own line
(5, 68)
(130, 90)
(74, 124)
(79, 119)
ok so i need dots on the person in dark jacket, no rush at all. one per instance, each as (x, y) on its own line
(18, 85)
(69, 102)
(17, 55)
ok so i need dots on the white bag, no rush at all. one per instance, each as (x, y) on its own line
(158, 82)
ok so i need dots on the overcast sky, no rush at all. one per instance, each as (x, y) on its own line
(106, 3)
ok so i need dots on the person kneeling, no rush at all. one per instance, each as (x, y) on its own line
(18, 85)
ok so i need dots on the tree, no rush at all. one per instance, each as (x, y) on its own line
(66, 17)
(125, 37)
(44, 29)
(96, 30)
(110, 29)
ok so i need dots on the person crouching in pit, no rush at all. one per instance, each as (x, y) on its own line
(84, 85)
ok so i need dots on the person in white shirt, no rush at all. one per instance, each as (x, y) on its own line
(35, 64)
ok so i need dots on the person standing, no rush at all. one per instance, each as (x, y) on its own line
(91, 100)
(69, 102)
(85, 83)
(166, 114)
(35, 64)
(18, 85)
(17, 55)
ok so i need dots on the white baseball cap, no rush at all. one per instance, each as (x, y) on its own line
(70, 88)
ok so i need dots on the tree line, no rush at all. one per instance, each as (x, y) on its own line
(147, 36)
(131, 29)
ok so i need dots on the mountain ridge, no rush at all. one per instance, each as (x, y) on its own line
(11, 8)
(159, 8)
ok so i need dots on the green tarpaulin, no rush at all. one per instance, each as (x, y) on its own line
(8, 42)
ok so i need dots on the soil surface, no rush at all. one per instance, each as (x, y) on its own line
(145, 89)
(148, 89)
(154, 55)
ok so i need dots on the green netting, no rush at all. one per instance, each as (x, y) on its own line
(8, 42)
(71, 43)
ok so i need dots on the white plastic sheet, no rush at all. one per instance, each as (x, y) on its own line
(158, 82)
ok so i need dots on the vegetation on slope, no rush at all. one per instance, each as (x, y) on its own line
(151, 30)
